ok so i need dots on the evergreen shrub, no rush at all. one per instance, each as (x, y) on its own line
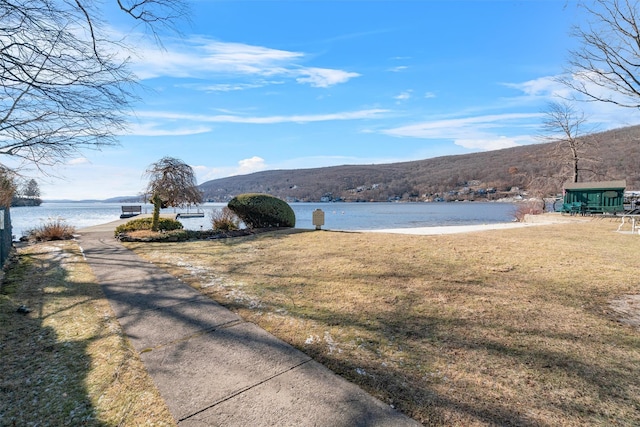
(262, 211)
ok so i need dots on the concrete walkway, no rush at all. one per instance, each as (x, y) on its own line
(211, 367)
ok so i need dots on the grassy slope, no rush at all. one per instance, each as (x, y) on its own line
(510, 327)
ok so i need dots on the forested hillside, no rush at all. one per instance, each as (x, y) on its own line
(541, 168)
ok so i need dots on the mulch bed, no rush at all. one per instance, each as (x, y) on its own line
(183, 235)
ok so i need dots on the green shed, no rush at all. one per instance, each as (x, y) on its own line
(594, 197)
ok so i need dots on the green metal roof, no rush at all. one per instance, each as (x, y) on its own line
(598, 185)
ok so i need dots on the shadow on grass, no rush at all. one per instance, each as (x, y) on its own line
(173, 326)
(497, 372)
(43, 376)
(525, 376)
(572, 383)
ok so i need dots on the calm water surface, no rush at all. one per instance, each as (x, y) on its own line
(338, 216)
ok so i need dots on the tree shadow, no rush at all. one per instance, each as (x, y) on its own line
(545, 355)
(44, 347)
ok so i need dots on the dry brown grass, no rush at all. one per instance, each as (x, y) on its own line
(55, 229)
(509, 327)
(67, 362)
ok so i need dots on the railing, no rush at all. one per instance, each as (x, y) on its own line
(634, 222)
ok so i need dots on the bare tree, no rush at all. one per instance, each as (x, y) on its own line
(171, 183)
(31, 189)
(64, 86)
(606, 66)
(564, 127)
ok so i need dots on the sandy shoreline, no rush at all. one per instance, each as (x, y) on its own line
(453, 229)
(529, 221)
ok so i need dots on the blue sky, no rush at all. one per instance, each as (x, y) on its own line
(262, 85)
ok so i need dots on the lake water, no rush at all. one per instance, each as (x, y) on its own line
(338, 216)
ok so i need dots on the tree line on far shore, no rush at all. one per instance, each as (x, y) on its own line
(27, 193)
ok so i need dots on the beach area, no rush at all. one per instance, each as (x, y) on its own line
(529, 221)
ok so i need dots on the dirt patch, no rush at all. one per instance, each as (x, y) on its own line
(627, 309)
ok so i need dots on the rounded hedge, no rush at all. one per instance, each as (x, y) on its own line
(262, 211)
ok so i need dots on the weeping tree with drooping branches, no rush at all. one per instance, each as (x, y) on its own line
(172, 182)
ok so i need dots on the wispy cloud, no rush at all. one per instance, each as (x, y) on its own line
(244, 166)
(230, 87)
(203, 58)
(78, 161)
(549, 88)
(222, 118)
(160, 129)
(323, 77)
(403, 96)
(478, 133)
(398, 69)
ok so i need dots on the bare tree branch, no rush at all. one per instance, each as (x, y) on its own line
(64, 85)
(563, 126)
(606, 66)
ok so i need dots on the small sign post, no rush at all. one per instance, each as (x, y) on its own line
(318, 218)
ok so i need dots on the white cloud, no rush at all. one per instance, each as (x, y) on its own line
(547, 87)
(229, 87)
(429, 95)
(223, 118)
(493, 143)
(244, 167)
(78, 161)
(480, 132)
(496, 131)
(253, 164)
(398, 68)
(158, 129)
(323, 77)
(459, 127)
(202, 58)
(403, 96)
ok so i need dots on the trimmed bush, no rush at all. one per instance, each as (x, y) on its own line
(55, 229)
(166, 224)
(262, 211)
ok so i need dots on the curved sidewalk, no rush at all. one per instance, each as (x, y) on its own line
(211, 367)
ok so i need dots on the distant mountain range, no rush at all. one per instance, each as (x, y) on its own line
(493, 174)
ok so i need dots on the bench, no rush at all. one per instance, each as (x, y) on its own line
(574, 208)
(131, 211)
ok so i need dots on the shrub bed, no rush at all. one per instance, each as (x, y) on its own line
(166, 224)
(184, 235)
